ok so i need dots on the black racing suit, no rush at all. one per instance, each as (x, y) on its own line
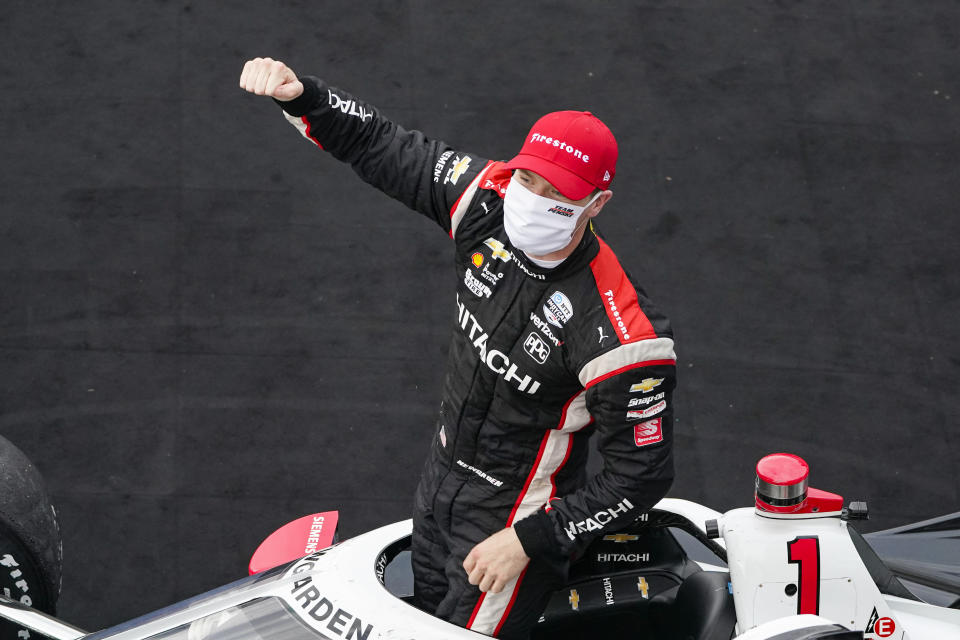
(539, 360)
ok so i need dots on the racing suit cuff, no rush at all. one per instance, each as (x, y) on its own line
(305, 102)
(537, 537)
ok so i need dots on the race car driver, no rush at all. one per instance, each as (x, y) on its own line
(552, 342)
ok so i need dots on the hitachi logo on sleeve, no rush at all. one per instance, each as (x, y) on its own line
(349, 107)
(598, 520)
(496, 360)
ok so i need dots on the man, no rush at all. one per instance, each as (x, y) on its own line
(552, 343)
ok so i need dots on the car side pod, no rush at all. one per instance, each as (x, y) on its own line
(791, 554)
(296, 539)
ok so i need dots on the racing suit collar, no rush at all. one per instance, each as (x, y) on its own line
(585, 251)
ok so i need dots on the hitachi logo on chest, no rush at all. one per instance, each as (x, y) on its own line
(598, 520)
(496, 360)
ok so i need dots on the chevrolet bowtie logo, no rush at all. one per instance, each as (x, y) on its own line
(646, 385)
(621, 537)
(498, 250)
(460, 167)
(643, 587)
(574, 600)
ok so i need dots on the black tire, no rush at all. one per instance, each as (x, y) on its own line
(31, 553)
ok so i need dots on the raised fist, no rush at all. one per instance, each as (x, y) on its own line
(269, 77)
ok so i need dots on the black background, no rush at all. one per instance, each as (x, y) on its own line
(210, 328)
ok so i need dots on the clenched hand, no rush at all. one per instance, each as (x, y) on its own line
(269, 77)
(496, 561)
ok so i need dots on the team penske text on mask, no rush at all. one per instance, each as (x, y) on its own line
(496, 360)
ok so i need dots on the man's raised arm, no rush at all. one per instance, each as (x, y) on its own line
(425, 174)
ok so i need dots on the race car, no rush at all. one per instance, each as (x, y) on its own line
(790, 567)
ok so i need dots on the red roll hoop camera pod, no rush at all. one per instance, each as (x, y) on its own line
(782, 487)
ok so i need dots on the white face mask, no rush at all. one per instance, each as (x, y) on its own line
(538, 225)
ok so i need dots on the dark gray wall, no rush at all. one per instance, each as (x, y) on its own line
(210, 328)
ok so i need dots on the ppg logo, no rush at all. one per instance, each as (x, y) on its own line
(536, 348)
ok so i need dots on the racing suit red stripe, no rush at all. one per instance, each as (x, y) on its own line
(530, 476)
(648, 363)
(513, 600)
(307, 133)
(622, 305)
(476, 610)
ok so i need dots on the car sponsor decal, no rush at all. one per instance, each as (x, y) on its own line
(621, 537)
(477, 259)
(321, 612)
(11, 565)
(643, 587)
(623, 557)
(646, 385)
(879, 627)
(607, 591)
(313, 538)
(648, 432)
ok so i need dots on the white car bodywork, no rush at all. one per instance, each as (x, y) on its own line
(339, 593)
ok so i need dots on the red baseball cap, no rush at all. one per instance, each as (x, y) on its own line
(573, 150)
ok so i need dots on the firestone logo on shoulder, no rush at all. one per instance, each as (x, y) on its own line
(618, 321)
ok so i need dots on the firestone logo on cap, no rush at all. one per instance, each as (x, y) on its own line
(577, 153)
(573, 150)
